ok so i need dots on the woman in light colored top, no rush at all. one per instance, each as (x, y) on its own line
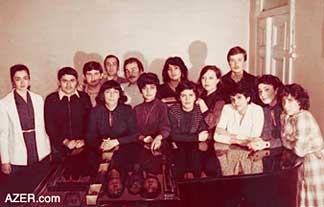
(24, 142)
(301, 134)
(241, 121)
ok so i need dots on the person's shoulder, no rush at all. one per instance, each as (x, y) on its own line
(52, 96)
(256, 107)
(7, 97)
(125, 107)
(175, 108)
(139, 106)
(228, 107)
(98, 109)
(305, 115)
(35, 95)
(226, 76)
(83, 94)
(160, 104)
(121, 80)
(249, 76)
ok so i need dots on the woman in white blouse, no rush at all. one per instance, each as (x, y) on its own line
(241, 121)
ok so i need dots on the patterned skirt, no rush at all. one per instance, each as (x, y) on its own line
(310, 191)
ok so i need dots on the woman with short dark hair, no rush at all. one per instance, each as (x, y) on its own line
(152, 114)
(112, 123)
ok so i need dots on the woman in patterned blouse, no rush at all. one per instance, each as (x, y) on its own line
(301, 134)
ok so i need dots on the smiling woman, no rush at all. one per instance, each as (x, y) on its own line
(241, 121)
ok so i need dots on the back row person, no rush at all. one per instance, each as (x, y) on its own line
(93, 75)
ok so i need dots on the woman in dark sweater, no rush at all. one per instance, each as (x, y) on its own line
(188, 127)
(152, 114)
(211, 100)
(187, 122)
(112, 123)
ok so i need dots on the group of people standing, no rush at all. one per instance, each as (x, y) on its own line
(108, 112)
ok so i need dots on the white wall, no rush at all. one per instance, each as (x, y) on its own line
(49, 34)
(309, 64)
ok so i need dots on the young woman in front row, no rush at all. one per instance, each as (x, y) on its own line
(24, 143)
(152, 114)
(112, 123)
(241, 121)
(301, 134)
(269, 88)
(188, 127)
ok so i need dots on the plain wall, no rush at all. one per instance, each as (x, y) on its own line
(47, 35)
(308, 67)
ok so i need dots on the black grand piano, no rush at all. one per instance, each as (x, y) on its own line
(185, 174)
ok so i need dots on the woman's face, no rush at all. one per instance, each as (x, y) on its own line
(240, 102)
(174, 72)
(209, 81)
(111, 96)
(21, 80)
(187, 99)
(267, 93)
(149, 92)
(290, 105)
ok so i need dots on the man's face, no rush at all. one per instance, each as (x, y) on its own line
(93, 77)
(132, 72)
(111, 66)
(68, 84)
(237, 63)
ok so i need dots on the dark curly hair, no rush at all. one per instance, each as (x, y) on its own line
(299, 93)
(178, 62)
(108, 85)
(186, 85)
(147, 78)
(241, 89)
(92, 65)
(67, 71)
(271, 80)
